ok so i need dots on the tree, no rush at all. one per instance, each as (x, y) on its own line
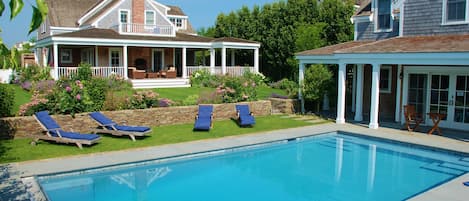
(317, 81)
(39, 15)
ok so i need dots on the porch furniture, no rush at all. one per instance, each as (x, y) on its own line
(136, 74)
(203, 119)
(170, 73)
(412, 118)
(153, 75)
(436, 118)
(108, 126)
(55, 133)
(245, 117)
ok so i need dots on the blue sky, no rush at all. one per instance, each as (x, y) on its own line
(202, 13)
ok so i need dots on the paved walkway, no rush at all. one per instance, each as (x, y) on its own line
(11, 187)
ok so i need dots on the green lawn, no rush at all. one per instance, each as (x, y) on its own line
(21, 150)
(21, 97)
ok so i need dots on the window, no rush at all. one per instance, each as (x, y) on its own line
(66, 56)
(43, 27)
(115, 57)
(384, 15)
(455, 10)
(149, 17)
(385, 79)
(124, 16)
(179, 22)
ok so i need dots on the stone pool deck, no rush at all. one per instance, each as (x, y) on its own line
(12, 187)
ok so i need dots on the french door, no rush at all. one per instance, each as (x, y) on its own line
(449, 95)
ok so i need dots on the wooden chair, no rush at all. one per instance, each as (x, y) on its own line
(412, 118)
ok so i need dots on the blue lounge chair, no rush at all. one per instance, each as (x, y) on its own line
(55, 133)
(108, 126)
(203, 120)
(245, 117)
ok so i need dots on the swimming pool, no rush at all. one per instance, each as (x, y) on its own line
(324, 167)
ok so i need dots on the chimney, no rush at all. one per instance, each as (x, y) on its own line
(138, 11)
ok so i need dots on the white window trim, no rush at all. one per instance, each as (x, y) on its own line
(375, 19)
(128, 15)
(389, 90)
(61, 56)
(154, 17)
(444, 19)
(120, 56)
(43, 26)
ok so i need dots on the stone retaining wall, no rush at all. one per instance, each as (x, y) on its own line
(20, 127)
(284, 106)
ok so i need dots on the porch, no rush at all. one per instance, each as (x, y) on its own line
(380, 77)
(146, 57)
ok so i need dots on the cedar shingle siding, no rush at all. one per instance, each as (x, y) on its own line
(365, 31)
(424, 17)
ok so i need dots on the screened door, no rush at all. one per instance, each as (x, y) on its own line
(461, 105)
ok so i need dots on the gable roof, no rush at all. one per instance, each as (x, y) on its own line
(175, 10)
(65, 13)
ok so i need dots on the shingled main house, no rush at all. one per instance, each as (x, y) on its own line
(143, 40)
(405, 52)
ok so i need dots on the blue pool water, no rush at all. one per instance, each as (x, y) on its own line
(325, 167)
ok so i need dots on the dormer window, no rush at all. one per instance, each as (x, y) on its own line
(455, 10)
(177, 22)
(384, 20)
(124, 16)
(149, 17)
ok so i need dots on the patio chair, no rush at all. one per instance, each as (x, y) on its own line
(466, 183)
(108, 126)
(55, 133)
(412, 118)
(245, 117)
(203, 119)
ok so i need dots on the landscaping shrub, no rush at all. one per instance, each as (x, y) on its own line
(257, 78)
(115, 102)
(72, 98)
(289, 86)
(203, 78)
(34, 73)
(96, 89)
(143, 100)
(38, 103)
(84, 72)
(237, 89)
(7, 99)
(42, 86)
(191, 100)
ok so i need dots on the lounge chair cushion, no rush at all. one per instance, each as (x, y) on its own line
(103, 120)
(132, 128)
(245, 117)
(46, 120)
(204, 118)
(73, 135)
(110, 125)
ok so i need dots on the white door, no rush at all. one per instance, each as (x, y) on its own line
(449, 94)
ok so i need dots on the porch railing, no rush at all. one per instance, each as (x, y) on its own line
(96, 71)
(230, 70)
(159, 30)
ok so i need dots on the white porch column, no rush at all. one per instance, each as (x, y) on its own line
(256, 60)
(126, 63)
(184, 62)
(223, 60)
(341, 94)
(96, 56)
(301, 77)
(354, 87)
(56, 61)
(233, 57)
(374, 107)
(212, 61)
(397, 114)
(359, 94)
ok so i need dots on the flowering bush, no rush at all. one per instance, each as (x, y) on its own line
(203, 78)
(43, 86)
(257, 78)
(164, 102)
(143, 99)
(72, 98)
(38, 103)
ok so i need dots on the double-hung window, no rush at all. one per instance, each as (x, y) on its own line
(124, 16)
(456, 10)
(149, 17)
(385, 79)
(383, 15)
